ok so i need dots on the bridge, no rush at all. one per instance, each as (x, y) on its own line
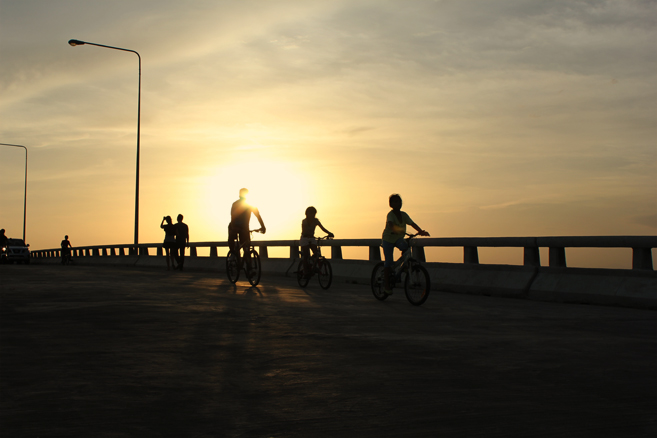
(136, 351)
(533, 279)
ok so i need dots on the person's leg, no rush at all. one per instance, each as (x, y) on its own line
(305, 257)
(232, 241)
(167, 255)
(245, 241)
(402, 245)
(173, 253)
(388, 256)
(181, 259)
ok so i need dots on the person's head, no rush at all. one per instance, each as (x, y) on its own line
(180, 218)
(168, 219)
(244, 193)
(66, 237)
(395, 201)
(2, 232)
(311, 212)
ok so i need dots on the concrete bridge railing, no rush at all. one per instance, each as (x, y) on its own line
(641, 248)
(534, 280)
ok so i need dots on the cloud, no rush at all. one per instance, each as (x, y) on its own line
(649, 220)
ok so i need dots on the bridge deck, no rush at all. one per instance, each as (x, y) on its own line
(90, 351)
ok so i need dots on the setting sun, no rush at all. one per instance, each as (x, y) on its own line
(280, 191)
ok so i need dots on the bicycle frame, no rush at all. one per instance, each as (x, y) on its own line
(315, 264)
(403, 263)
(238, 247)
(235, 261)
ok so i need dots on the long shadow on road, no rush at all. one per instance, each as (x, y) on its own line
(133, 352)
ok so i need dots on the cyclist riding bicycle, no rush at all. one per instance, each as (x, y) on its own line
(393, 236)
(66, 250)
(238, 229)
(307, 241)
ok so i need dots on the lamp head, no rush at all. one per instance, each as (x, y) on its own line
(76, 43)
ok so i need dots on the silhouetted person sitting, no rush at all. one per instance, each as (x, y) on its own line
(393, 236)
(307, 241)
(66, 250)
(169, 244)
(182, 241)
(238, 229)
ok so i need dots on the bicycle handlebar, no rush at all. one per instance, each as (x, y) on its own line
(410, 236)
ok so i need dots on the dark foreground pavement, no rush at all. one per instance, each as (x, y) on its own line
(114, 352)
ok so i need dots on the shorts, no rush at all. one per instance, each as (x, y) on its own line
(307, 241)
(389, 249)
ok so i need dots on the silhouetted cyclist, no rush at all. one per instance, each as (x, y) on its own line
(66, 250)
(238, 229)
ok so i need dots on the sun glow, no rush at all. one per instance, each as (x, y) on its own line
(280, 190)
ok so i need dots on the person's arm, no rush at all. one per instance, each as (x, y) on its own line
(420, 231)
(319, 224)
(262, 224)
(162, 223)
(187, 240)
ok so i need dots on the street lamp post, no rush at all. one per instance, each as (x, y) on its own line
(25, 196)
(82, 43)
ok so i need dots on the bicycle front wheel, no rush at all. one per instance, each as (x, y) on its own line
(325, 273)
(301, 278)
(232, 267)
(417, 284)
(378, 282)
(256, 269)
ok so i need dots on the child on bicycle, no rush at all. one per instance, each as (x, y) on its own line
(307, 241)
(393, 236)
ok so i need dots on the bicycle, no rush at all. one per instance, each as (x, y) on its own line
(235, 263)
(408, 269)
(318, 265)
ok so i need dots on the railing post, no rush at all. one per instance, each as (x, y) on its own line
(418, 253)
(294, 251)
(159, 253)
(470, 255)
(642, 258)
(532, 256)
(113, 252)
(375, 253)
(557, 257)
(262, 250)
(193, 252)
(336, 252)
(122, 252)
(213, 252)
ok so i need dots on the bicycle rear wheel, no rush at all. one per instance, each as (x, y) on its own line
(325, 273)
(232, 267)
(378, 282)
(302, 279)
(256, 269)
(417, 284)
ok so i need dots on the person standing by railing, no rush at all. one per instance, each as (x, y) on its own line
(182, 240)
(393, 236)
(3, 241)
(169, 244)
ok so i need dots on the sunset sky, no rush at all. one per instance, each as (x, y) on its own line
(490, 118)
